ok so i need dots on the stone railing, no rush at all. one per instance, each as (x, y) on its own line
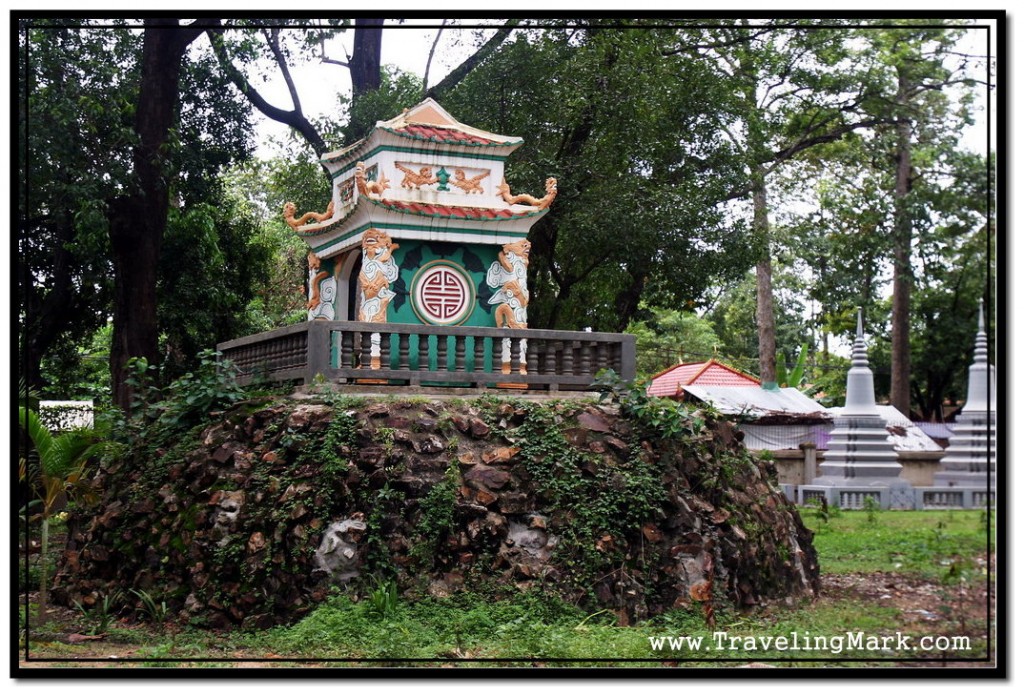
(411, 354)
(899, 497)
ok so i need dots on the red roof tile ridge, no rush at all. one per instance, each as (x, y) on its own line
(450, 210)
(730, 369)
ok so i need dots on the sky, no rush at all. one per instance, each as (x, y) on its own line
(407, 46)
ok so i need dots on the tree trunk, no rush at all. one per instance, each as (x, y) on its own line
(365, 63)
(757, 153)
(628, 299)
(903, 275)
(138, 220)
(135, 246)
(765, 301)
(43, 599)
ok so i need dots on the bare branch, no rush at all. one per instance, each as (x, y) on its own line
(275, 47)
(835, 134)
(778, 158)
(295, 119)
(468, 65)
(430, 56)
(333, 61)
(715, 44)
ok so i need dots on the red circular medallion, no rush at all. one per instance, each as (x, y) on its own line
(442, 294)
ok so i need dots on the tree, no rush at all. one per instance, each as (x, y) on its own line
(914, 62)
(109, 143)
(734, 318)
(68, 96)
(885, 194)
(236, 45)
(138, 218)
(787, 97)
(625, 131)
(952, 277)
(54, 468)
(669, 337)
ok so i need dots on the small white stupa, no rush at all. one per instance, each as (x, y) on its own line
(859, 452)
(969, 460)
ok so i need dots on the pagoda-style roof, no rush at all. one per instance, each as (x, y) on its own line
(452, 212)
(423, 175)
(712, 373)
(456, 212)
(427, 122)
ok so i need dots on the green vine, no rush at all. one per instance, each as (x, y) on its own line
(603, 507)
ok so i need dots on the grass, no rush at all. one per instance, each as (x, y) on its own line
(923, 542)
(913, 552)
(918, 546)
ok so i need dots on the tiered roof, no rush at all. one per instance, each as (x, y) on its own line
(456, 212)
(428, 122)
(441, 139)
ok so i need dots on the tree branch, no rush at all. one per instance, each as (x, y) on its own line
(333, 61)
(715, 44)
(275, 47)
(835, 134)
(468, 65)
(430, 56)
(780, 156)
(294, 119)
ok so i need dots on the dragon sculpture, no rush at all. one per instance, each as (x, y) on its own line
(414, 180)
(322, 290)
(469, 185)
(511, 311)
(367, 188)
(550, 188)
(508, 276)
(290, 210)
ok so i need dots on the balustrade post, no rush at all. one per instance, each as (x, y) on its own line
(628, 357)
(460, 353)
(318, 350)
(403, 351)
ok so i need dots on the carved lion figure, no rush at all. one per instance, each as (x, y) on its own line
(315, 276)
(378, 272)
(508, 251)
(512, 311)
(413, 180)
(469, 185)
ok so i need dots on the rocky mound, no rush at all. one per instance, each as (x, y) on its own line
(258, 516)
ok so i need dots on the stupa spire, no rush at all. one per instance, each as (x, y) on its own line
(980, 393)
(970, 458)
(860, 381)
(859, 451)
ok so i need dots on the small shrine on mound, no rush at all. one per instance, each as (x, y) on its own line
(422, 227)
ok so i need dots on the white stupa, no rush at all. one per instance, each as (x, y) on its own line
(859, 452)
(970, 458)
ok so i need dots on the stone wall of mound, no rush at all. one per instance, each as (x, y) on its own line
(258, 516)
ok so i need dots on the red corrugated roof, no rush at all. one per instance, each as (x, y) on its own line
(453, 211)
(443, 135)
(707, 374)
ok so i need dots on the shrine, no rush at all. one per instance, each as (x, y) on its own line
(423, 230)
(422, 227)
